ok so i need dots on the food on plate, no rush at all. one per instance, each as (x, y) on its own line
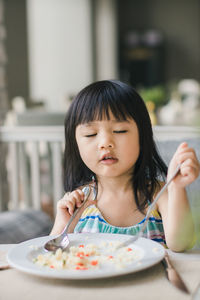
(90, 256)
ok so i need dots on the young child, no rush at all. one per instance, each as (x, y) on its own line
(109, 145)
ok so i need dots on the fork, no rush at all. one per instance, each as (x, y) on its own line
(151, 207)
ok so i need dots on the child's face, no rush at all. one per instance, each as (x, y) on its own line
(109, 148)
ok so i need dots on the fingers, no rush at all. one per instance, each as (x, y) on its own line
(190, 167)
(71, 200)
(183, 148)
(189, 171)
(187, 156)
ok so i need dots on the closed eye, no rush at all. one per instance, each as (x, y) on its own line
(90, 135)
(120, 131)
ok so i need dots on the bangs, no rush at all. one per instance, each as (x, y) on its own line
(99, 104)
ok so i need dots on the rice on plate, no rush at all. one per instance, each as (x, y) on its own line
(90, 256)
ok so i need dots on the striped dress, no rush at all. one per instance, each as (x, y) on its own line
(92, 221)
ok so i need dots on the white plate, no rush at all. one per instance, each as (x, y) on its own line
(21, 256)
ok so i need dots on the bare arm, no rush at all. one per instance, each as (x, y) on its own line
(174, 205)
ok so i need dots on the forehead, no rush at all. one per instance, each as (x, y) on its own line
(105, 122)
(100, 110)
(107, 116)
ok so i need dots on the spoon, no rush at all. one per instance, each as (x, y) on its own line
(62, 241)
(151, 207)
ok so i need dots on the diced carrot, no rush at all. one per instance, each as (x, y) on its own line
(129, 249)
(110, 256)
(79, 254)
(94, 262)
(52, 267)
(80, 264)
(81, 246)
(81, 268)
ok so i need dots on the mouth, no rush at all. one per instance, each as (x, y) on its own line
(107, 158)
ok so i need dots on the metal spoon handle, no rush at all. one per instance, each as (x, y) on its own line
(151, 207)
(86, 190)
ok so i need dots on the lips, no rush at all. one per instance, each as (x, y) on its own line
(108, 159)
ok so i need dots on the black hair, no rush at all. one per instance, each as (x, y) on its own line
(94, 102)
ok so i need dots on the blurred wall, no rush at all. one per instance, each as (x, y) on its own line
(16, 48)
(178, 20)
(69, 43)
(56, 47)
(105, 39)
(60, 52)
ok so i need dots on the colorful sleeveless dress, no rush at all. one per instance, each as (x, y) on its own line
(92, 221)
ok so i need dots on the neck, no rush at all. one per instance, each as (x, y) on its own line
(116, 193)
(114, 185)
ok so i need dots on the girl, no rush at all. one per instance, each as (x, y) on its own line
(109, 145)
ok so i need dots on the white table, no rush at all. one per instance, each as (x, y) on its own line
(148, 284)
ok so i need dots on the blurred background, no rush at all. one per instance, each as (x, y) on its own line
(51, 49)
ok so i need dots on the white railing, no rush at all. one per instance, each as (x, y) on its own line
(21, 179)
(24, 154)
(162, 133)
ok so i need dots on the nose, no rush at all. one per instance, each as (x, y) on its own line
(106, 142)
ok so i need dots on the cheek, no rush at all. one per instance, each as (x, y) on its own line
(81, 148)
(84, 151)
(83, 155)
(133, 150)
(86, 157)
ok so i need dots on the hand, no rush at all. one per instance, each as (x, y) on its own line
(70, 201)
(190, 166)
(65, 208)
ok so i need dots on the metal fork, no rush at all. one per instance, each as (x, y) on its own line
(151, 207)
